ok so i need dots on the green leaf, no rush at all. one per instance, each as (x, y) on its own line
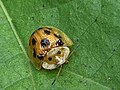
(92, 24)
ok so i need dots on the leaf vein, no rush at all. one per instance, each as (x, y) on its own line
(17, 37)
(88, 79)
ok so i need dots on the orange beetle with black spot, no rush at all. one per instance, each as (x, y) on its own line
(49, 47)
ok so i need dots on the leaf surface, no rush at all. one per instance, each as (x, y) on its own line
(94, 25)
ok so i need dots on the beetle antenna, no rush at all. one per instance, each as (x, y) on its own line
(61, 65)
(73, 51)
(57, 74)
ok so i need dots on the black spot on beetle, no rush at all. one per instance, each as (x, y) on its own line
(45, 42)
(49, 58)
(34, 53)
(59, 52)
(40, 28)
(33, 41)
(40, 56)
(58, 36)
(49, 28)
(29, 43)
(47, 32)
(59, 42)
(33, 33)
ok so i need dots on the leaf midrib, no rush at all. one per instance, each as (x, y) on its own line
(18, 39)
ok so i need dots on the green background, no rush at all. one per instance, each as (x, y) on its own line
(92, 24)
